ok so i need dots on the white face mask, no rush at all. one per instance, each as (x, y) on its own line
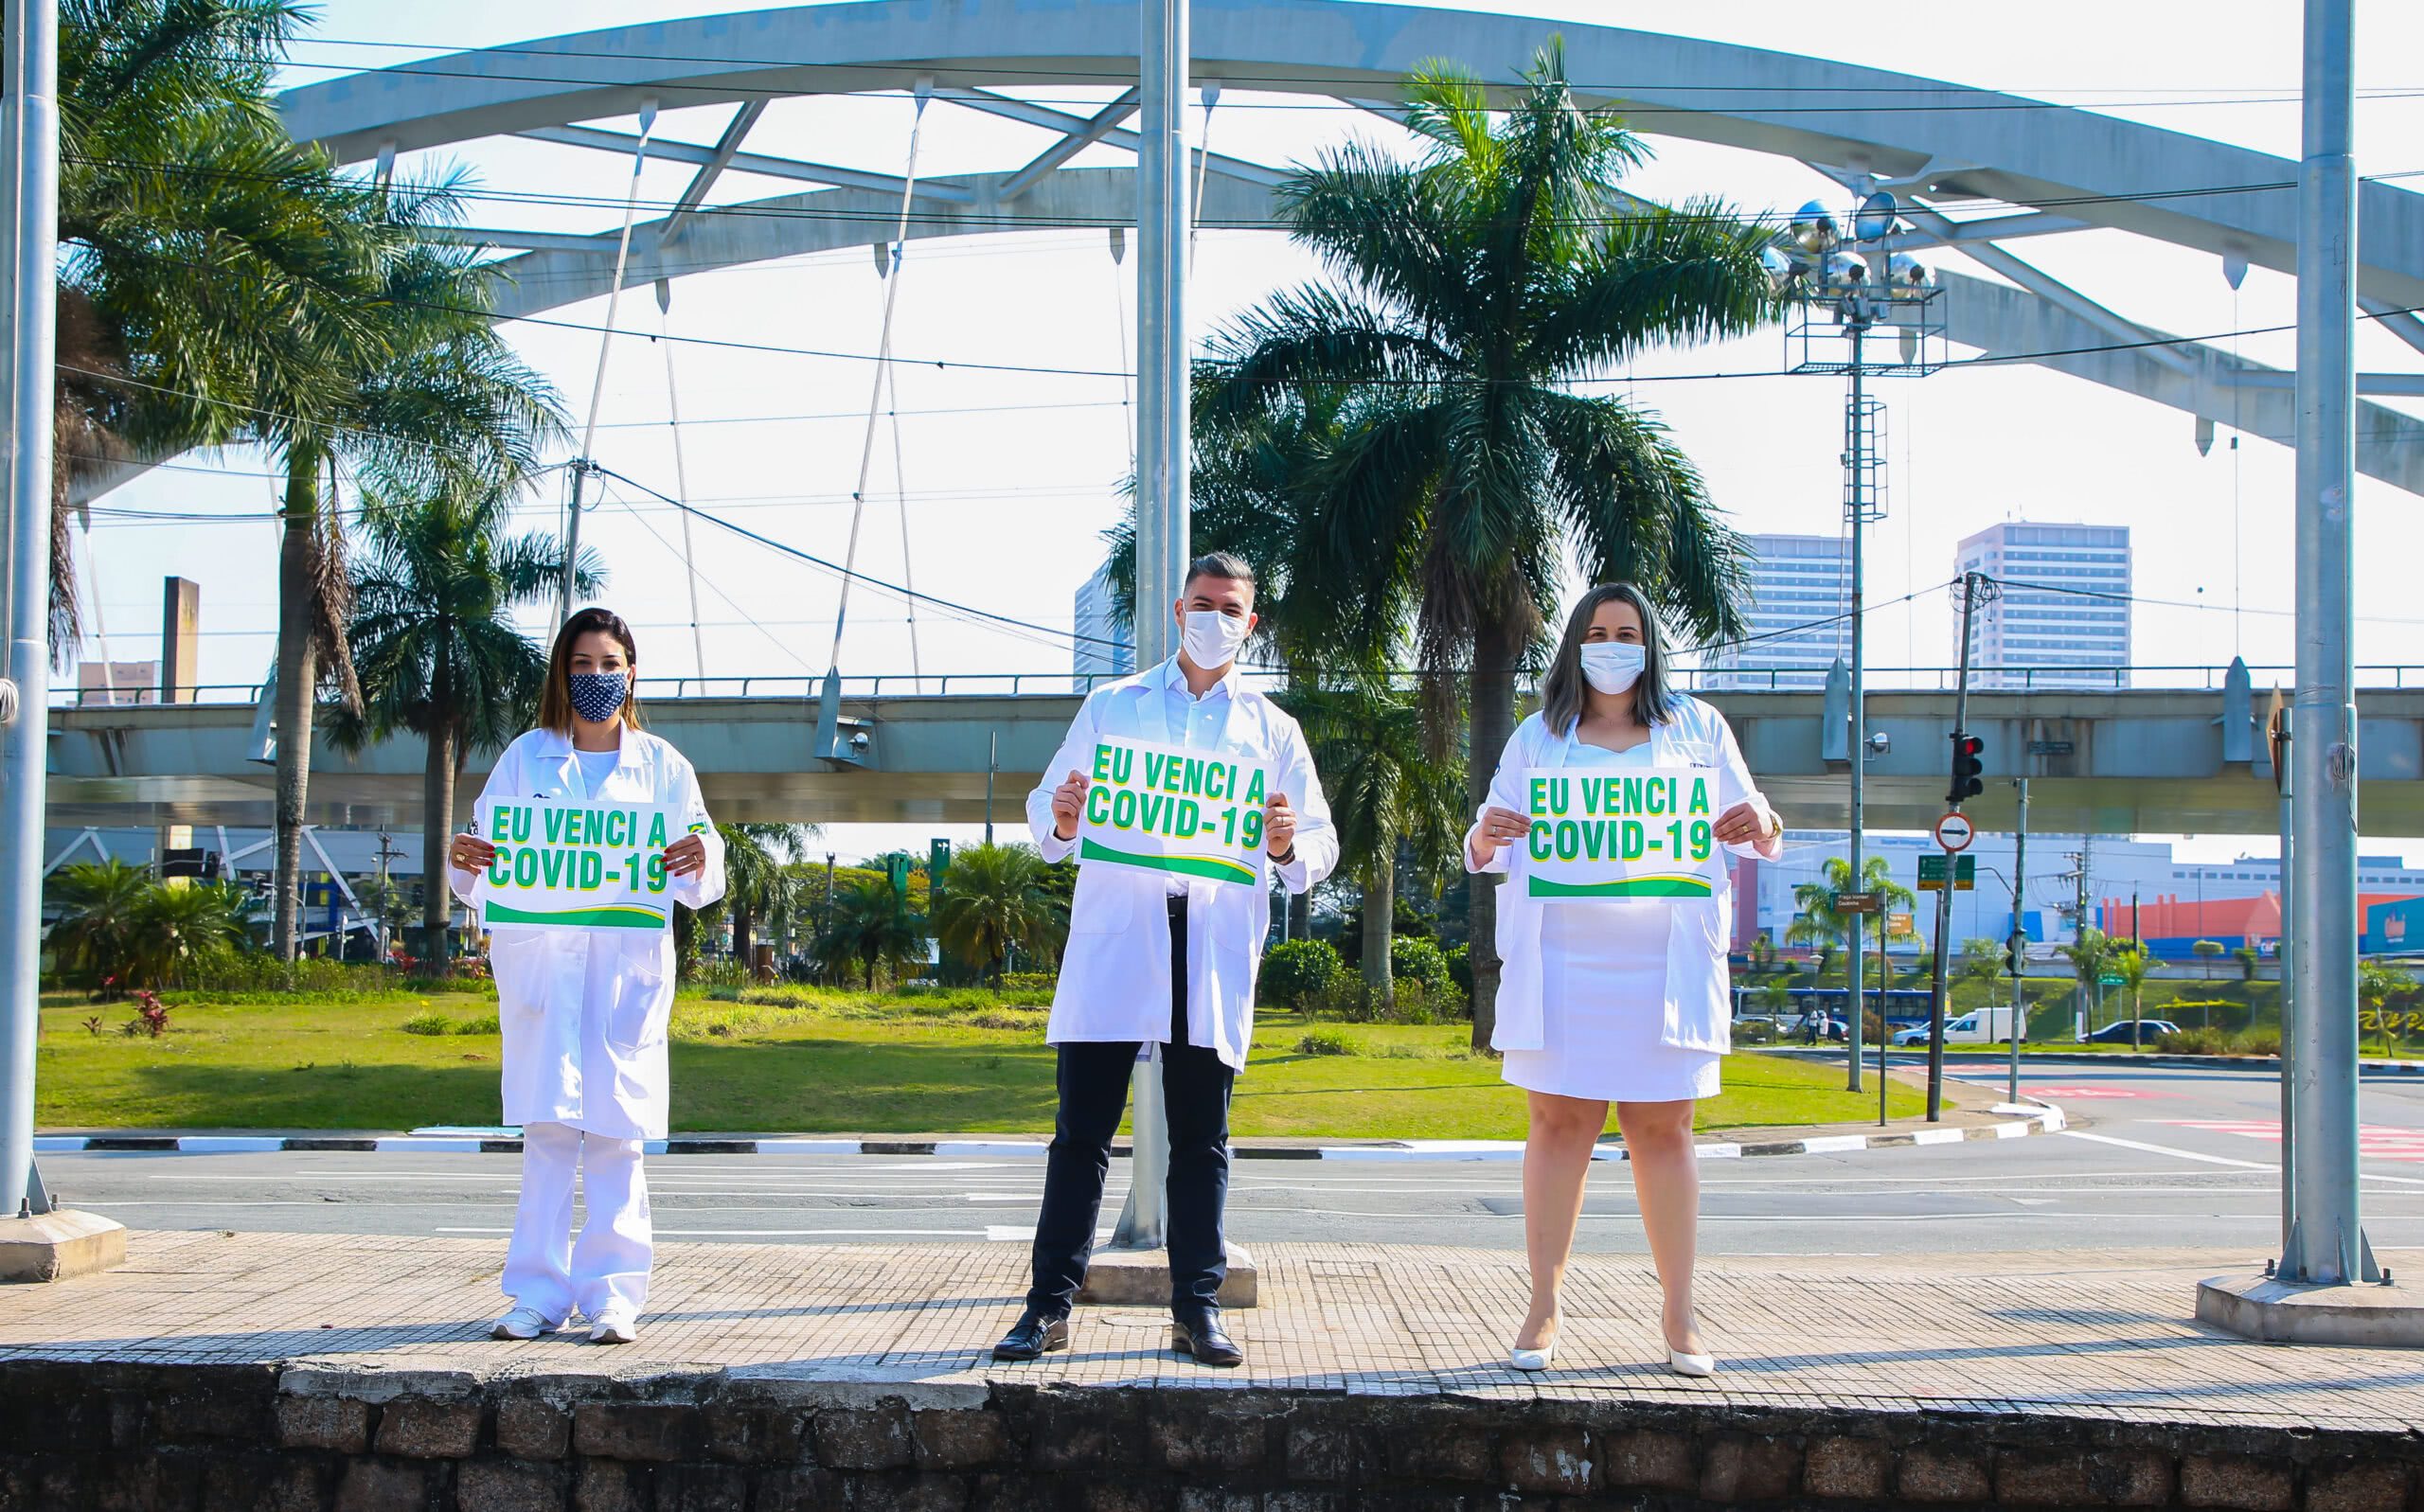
(1212, 639)
(1612, 667)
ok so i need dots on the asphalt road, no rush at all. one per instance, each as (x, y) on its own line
(2156, 1158)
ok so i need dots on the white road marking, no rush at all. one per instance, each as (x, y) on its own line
(2220, 1160)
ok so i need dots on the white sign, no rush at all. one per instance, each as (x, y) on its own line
(1954, 831)
(563, 864)
(1164, 809)
(1599, 834)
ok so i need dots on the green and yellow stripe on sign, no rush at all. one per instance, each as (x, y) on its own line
(1219, 868)
(1672, 887)
(619, 916)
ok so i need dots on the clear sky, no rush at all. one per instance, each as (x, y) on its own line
(1007, 479)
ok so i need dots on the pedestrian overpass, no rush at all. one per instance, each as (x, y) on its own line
(2132, 760)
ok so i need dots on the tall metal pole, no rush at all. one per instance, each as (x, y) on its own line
(29, 159)
(993, 764)
(1944, 898)
(2019, 941)
(1855, 508)
(2327, 1243)
(1164, 452)
(2288, 998)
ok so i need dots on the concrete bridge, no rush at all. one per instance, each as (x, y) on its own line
(2118, 761)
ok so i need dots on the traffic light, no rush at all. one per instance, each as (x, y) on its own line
(2012, 949)
(1967, 762)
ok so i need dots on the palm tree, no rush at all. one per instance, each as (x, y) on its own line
(1470, 293)
(2129, 962)
(417, 393)
(759, 881)
(436, 647)
(1384, 788)
(100, 906)
(2090, 951)
(995, 899)
(198, 236)
(1817, 919)
(184, 926)
(869, 923)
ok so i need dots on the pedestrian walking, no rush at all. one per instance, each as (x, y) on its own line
(1614, 1000)
(1157, 957)
(584, 1012)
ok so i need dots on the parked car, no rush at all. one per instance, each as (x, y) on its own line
(2149, 1031)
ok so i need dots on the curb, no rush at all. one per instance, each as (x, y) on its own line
(2379, 1069)
(2019, 1121)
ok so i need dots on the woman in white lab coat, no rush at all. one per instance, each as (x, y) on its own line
(584, 1012)
(1618, 1001)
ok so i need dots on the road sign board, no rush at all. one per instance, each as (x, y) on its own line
(1933, 869)
(2050, 747)
(1859, 903)
(1954, 831)
(2108, 981)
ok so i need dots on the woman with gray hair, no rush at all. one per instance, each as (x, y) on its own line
(1614, 1000)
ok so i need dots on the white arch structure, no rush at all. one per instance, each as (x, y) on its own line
(1938, 146)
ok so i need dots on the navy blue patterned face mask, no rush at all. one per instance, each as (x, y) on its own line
(596, 696)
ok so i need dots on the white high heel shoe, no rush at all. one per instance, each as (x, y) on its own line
(1698, 1367)
(1533, 1360)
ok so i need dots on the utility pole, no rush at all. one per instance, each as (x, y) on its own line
(29, 161)
(1967, 783)
(1164, 453)
(1856, 517)
(2328, 1244)
(992, 765)
(2019, 947)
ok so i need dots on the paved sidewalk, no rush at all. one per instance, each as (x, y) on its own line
(2105, 1338)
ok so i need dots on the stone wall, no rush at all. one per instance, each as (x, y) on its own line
(160, 1438)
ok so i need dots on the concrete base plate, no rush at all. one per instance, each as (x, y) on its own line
(60, 1245)
(1141, 1278)
(2260, 1306)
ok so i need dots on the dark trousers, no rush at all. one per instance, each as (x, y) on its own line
(1093, 1092)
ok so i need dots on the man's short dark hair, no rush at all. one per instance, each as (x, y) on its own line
(1225, 564)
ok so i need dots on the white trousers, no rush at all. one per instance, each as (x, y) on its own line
(606, 1268)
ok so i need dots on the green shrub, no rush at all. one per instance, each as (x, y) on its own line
(2257, 1042)
(2195, 1042)
(1754, 1031)
(1293, 970)
(484, 1023)
(1419, 961)
(1460, 970)
(1328, 1042)
(1029, 982)
(430, 1021)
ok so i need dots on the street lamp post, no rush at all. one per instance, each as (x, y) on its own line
(1840, 299)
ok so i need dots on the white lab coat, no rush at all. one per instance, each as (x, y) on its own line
(1698, 1006)
(584, 1012)
(1116, 972)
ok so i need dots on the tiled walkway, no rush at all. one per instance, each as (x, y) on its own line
(2106, 1336)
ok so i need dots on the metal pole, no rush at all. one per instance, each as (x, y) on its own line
(29, 157)
(582, 463)
(1951, 859)
(993, 764)
(1855, 507)
(2019, 940)
(1164, 453)
(2327, 1243)
(2289, 1012)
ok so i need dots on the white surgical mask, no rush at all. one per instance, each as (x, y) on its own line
(1212, 639)
(1612, 667)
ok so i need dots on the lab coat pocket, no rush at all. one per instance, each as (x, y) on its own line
(634, 1021)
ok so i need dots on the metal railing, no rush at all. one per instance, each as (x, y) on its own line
(2156, 678)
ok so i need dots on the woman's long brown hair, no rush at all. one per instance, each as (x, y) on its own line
(1562, 692)
(555, 699)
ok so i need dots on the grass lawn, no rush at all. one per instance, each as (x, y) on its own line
(872, 1066)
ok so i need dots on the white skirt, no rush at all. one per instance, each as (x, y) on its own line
(1603, 990)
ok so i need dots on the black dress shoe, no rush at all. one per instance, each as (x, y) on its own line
(1034, 1334)
(1206, 1342)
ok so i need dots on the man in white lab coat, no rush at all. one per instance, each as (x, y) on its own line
(1167, 959)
